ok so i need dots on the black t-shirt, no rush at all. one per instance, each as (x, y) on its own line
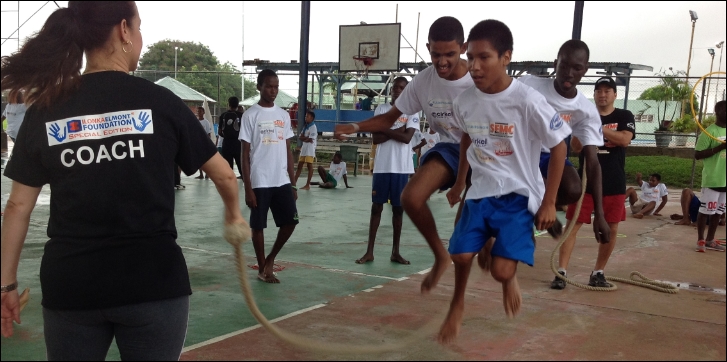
(229, 128)
(613, 158)
(108, 153)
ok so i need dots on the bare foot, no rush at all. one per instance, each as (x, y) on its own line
(450, 327)
(484, 257)
(398, 259)
(511, 297)
(365, 259)
(199, 177)
(683, 222)
(268, 279)
(432, 278)
(639, 216)
(676, 216)
(306, 187)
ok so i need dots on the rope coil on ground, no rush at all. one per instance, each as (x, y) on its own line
(644, 282)
(236, 235)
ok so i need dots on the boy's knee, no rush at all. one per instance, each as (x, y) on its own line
(462, 258)
(397, 210)
(411, 202)
(503, 269)
(377, 208)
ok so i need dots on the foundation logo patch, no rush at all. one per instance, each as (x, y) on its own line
(556, 123)
(99, 126)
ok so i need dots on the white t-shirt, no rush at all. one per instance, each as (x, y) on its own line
(649, 194)
(337, 171)
(14, 112)
(507, 130)
(393, 156)
(580, 113)
(416, 139)
(309, 149)
(429, 93)
(432, 139)
(266, 130)
(206, 126)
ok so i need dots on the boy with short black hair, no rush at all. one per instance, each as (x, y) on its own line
(651, 192)
(391, 173)
(432, 92)
(714, 187)
(229, 131)
(504, 125)
(332, 177)
(268, 172)
(309, 137)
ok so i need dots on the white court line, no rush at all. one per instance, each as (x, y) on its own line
(685, 286)
(292, 262)
(204, 251)
(228, 335)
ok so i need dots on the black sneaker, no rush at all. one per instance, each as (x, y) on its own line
(558, 283)
(556, 230)
(599, 280)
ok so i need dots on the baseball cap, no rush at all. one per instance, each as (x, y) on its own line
(606, 80)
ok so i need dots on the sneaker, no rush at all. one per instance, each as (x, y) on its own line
(558, 283)
(599, 280)
(700, 246)
(712, 245)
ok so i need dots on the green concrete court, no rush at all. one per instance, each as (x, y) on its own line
(324, 295)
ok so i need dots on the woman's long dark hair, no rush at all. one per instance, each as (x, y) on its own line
(48, 67)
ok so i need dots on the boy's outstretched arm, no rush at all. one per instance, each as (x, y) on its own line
(601, 230)
(638, 179)
(664, 199)
(378, 123)
(545, 216)
(345, 181)
(455, 194)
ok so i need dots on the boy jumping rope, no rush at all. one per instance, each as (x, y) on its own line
(431, 91)
(505, 124)
(267, 170)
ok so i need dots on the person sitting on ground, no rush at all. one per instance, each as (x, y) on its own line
(337, 170)
(690, 210)
(651, 192)
(208, 131)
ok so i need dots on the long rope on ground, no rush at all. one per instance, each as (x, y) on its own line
(643, 282)
(239, 233)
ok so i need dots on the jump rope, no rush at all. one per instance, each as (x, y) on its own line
(237, 234)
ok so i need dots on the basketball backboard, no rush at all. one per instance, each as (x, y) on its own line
(376, 45)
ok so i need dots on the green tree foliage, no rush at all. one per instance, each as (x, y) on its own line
(673, 86)
(198, 68)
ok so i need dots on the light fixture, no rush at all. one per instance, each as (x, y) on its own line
(693, 15)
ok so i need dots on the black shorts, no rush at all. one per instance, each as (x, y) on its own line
(278, 199)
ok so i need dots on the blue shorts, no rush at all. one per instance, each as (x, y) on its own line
(506, 218)
(450, 153)
(388, 187)
(544, 159)
(694, 209)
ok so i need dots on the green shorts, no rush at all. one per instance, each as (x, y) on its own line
(331, 179)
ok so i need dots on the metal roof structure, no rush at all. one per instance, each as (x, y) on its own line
(183, 91)
(283, 100)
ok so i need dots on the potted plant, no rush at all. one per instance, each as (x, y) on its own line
(683, 126)
(672, 93)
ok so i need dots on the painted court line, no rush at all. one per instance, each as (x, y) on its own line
(223, 337)
(204, 251)
(366, 275)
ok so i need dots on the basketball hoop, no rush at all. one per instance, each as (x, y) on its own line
(362, 65)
